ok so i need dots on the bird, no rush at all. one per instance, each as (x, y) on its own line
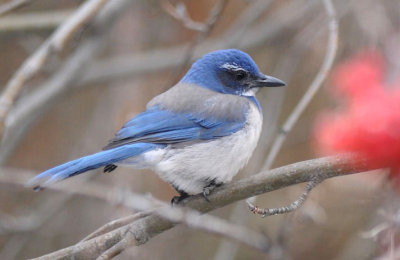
(196, 136)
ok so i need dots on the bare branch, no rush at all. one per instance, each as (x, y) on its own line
(12, 5)
(213, 17)
(30, 107)
(116, 224)
(193, 219)
(148, 227)
(180, 13)
(147, 206)
(301, 106)
(55, 43)
(160, 59)
(36, 20)
(314, 87)
(285, 68)
(283, 210)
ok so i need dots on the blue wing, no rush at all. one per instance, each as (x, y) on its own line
(159, 126)
(153, 129)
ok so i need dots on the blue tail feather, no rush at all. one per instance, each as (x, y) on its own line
(90, 162)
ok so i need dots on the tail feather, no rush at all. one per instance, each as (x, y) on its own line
(89, 162)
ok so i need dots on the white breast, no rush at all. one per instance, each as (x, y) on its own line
(189, 168)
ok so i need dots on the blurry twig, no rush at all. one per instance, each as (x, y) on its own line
(55, 43)
(143, 229)
(213, 17)
(314, 87)
(12, 5)
(116, 68)
(31, 106)
(180, 13)
(247, 17)
(164, 58)
(116, 224)
(37, 20)
(310, 93)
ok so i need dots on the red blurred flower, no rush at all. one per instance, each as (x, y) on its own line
(369, 123)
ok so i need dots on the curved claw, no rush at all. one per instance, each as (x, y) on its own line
(178, 199)
(205, 193)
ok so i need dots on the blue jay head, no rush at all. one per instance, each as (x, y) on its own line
(231, 72)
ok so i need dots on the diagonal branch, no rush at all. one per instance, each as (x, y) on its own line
(34, 20)
(12, 5)
(314, 87)
(32, 106)
(308, 96)
(212, 19)
(154, 60)
(55, 43)
(180, 13)
(146, 228)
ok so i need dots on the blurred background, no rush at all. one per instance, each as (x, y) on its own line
(110, 70)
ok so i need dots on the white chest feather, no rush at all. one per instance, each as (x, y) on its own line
(191, 167)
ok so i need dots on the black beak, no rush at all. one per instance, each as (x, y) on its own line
(268, 81)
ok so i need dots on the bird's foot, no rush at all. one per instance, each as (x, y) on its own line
(210, 187)
(206, 191)
(177, 199)
(109, 168)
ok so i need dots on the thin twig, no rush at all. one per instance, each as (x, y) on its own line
(36, 20)
(33, 105)
(55, 43)
(116, 224)
(138, 64)
(286, 209)
(213, 17)
(238, 28)
(314, 87)
(165, 58)
(180, 13)
(148, 227)
(308, 96)
(12, 5)
(30, 107)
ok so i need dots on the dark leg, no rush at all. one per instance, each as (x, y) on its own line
(109, 168)
(182, 195)
(211, 186)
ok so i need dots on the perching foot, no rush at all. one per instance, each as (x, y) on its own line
(109, 168)
(210, 187)
(178, 199)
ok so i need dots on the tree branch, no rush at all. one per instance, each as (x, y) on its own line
(308, 96)
(148, 227)
(179, 12)
(33, 105)
(156, 60)
(55, 43)
(34, 20)
(314, 86)
(165, 58)
(212, 18)
(12, 5)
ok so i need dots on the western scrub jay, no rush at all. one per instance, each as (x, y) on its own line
(196, 136)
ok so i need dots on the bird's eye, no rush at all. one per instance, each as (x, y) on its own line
(240, 75)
